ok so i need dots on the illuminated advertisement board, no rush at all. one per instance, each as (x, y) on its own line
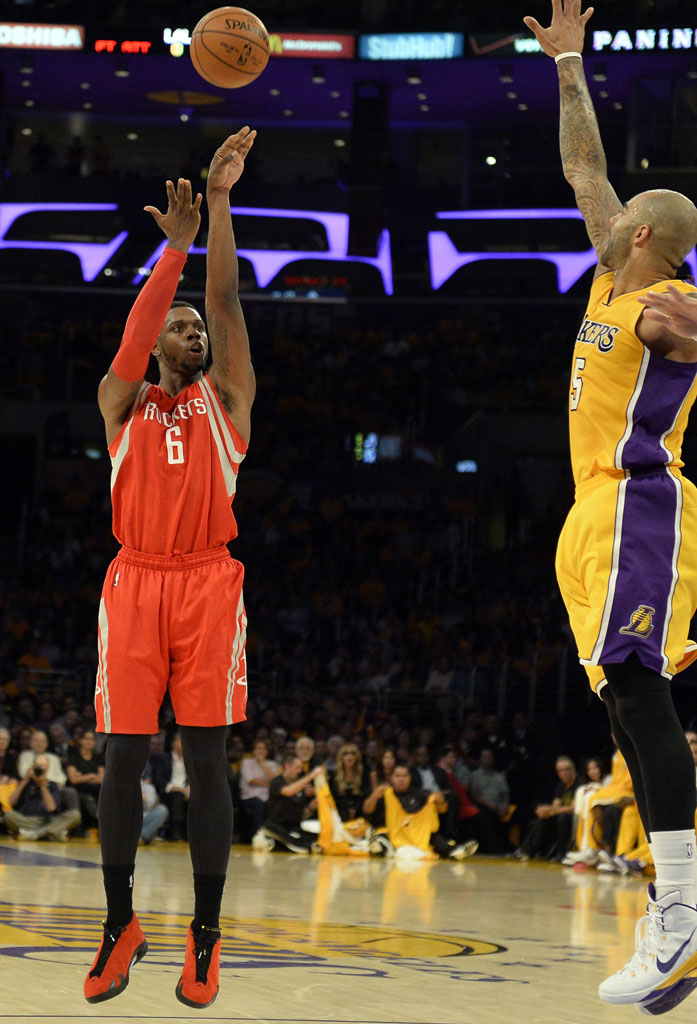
(642, 40)
(282, 44)
(312, 44)
(41, 37)
(411, 46)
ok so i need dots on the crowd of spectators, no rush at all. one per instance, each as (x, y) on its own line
(383, 614)
(355, 576)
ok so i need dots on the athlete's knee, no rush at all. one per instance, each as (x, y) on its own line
(204, 753)
(127, 754)
(632, 678)
(639, 697)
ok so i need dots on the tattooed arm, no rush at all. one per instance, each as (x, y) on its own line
(231, 372)
(583, 157)
(582, 153)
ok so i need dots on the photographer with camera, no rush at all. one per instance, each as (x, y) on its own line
(35, 807)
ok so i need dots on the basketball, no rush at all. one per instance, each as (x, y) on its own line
(229, 47)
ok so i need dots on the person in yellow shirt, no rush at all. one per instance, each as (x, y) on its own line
(409, 817)
(627, 555)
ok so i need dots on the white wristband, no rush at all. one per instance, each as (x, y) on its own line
(569, 53)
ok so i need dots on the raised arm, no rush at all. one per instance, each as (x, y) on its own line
(582, 153)
(120, 385)
(231, 372)
(292, 788)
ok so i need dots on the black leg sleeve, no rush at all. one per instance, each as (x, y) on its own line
(652, 740)
(209, 816)
(120, 799)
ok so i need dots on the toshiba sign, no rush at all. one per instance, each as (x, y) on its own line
(41, 37)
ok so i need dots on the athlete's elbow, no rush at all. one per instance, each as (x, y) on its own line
(222, 299)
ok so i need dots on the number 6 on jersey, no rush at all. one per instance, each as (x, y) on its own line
(175, 449)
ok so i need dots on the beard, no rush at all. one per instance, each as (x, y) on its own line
(616, 252)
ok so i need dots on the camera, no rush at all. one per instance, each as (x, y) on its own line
(38, 770)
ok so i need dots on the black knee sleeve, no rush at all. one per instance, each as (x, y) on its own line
(652, 740)
(209, 815)
(120, 808)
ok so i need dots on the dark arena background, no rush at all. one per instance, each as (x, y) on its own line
(413, 272)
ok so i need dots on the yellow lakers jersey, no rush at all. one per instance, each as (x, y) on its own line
(628, 408)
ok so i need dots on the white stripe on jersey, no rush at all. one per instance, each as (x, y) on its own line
(237, 648)
(235, 456)
(674, 569)
(122, 449)
(670, 456)
(619, 452)
(227, 453)
(102, 679)
(612, 582)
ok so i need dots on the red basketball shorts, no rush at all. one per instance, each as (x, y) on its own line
(176, 622)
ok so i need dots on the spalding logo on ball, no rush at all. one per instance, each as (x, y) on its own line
(229, 47)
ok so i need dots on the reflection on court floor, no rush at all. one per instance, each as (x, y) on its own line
(312, 939)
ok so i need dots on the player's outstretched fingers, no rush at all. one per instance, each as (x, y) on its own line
(248, 142)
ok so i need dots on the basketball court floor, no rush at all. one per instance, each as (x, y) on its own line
(308, 940)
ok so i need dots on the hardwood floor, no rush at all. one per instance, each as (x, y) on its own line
(313, 939)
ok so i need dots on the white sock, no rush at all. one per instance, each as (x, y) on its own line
(674, 858)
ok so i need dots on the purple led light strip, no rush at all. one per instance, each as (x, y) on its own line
(92, 255)
(267, 263)
(445, 259)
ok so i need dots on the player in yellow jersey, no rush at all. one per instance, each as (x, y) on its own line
(627, 556)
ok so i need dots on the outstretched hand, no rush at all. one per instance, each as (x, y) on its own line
(228, 160)
(566, 32)
(183, 217)
(673, 308)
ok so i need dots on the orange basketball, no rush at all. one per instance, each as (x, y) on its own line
(229, 47)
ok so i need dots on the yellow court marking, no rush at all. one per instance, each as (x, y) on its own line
(75, 927)
(10, 936)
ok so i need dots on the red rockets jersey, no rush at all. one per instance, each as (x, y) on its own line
(174, 472)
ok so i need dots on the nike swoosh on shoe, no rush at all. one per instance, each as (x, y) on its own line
(664, 968)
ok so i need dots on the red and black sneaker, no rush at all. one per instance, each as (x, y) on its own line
(198, 985)
(121, 948)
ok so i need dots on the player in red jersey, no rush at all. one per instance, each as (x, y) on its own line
(171, 614)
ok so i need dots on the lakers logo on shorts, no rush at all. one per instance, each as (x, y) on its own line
(641, 622)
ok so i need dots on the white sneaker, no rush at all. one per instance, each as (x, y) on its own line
(666, 951)
(587, 857)
(464, 850)
(31, 834)
(606, 862)
(262, 842)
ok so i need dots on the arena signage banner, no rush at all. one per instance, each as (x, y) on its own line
(312, 44)
(284, 44)
(621, 40)
(411, 46)
(41, 37)
(625, 40)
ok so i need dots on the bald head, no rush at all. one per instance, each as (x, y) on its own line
(672, 218)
